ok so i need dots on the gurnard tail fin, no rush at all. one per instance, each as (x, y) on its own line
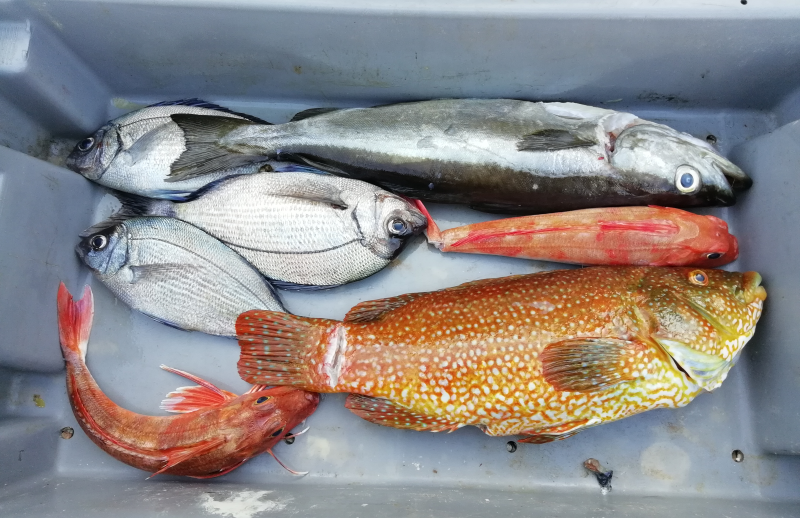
(282, 349)
(432, 231)
(74, 320)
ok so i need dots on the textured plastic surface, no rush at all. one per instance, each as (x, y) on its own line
(726, 70)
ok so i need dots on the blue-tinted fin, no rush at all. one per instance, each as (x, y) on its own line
(291, 286)
(199, 103)
(166, 322)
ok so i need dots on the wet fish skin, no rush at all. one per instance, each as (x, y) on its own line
(299, 229)
(496, 155)
(175, 273)
(543, 355)
(133, 153)
(640, 236)
(215, 433)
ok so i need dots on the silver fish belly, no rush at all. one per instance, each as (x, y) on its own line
(496, 155)
(176, 274)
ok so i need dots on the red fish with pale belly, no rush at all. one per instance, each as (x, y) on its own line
(543, 355)
(217, 432)
(639, 236)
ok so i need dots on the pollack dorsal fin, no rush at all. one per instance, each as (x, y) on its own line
(551, 140)
(590, 364)
(371, 310)
(189, 399)
(387, 413)
(312, 112)
(199, 103)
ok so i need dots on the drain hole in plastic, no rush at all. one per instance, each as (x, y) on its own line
(711, 139)
(511, 446)
(737, 455)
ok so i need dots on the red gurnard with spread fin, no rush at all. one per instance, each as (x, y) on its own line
(640, 236)
(543, 355)
(216, 432)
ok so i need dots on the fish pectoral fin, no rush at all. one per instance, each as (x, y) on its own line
(387, 413)
(156, 272)
(189, 399)
(312, 112)
(371, 310)
(220, 472)
(204, 154)
(293, 286)
(178, 455)
(551, 140)
(555, 433)
(590, 364)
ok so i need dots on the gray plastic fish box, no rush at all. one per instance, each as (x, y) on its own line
(727, 71)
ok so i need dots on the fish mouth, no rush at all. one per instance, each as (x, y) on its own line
(737, 179)
(753, 290)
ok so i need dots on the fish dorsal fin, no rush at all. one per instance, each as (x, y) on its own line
(204, 154)
(178, 455)
(590, 364)
(386, 413)
(257, 388)
(199, 103)
(189, 399)
(371, 310)
(312, 112)
(551, 140)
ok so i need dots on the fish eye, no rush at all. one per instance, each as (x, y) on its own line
(86, 144)
(98, 242)
(277, 432)
(714, 255)
(687, 179)
(262, 399)
(397, 227)
(698, 277)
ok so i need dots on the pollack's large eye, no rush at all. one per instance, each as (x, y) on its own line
(698, 277)
(687, 179)
(714, 255)
(86, 144)
(98, 242)
(262, 399)
(397, 227)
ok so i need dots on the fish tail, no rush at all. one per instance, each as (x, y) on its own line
(282, 349)
(432, 232)
(74, 321)
(134, 206)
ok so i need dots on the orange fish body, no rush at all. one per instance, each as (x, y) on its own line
(640, 236)
(215, 432)
(543, 355)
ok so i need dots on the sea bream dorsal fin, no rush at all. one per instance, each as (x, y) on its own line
(199, 103)
(371, 310)
(188, 399)
(590, 364)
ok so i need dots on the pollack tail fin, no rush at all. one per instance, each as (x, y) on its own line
(74, 320)
(282, 349)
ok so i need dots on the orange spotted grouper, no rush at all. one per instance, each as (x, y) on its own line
(542, 355)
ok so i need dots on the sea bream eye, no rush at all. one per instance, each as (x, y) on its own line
(687, 179)
(98, 242)
(397, 227)
(86, 144)
(698, 277)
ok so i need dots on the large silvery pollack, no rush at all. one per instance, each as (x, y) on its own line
(175, 273)
(300, 230)
(495, 155)
(133, 153)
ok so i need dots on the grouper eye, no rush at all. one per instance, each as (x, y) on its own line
(397, 227)
(698, 277)
(86, 144)
(98, 242)
(714, 255)
(687, 179)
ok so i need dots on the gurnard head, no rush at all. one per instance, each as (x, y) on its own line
(702, 317)
(92, 156)
(689, 171)
(391, 220)
(104, 250)
(702, 241)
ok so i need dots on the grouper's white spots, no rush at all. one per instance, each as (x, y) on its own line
(240, 504)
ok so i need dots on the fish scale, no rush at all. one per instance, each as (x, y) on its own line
(542, 355)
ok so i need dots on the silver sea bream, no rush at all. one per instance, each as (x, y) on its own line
(176, 274)
(301, 230)
(496, 155)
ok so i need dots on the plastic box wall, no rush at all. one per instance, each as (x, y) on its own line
(726, 69)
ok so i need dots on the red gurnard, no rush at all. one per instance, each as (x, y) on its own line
(640, 236)
(217, 432)
(543, 355)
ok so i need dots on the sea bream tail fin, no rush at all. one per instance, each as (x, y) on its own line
(591, 364)
(204, 154)
(74, 321)
(282, 349)
(386, 413)
(134, 206)
(188, 399)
